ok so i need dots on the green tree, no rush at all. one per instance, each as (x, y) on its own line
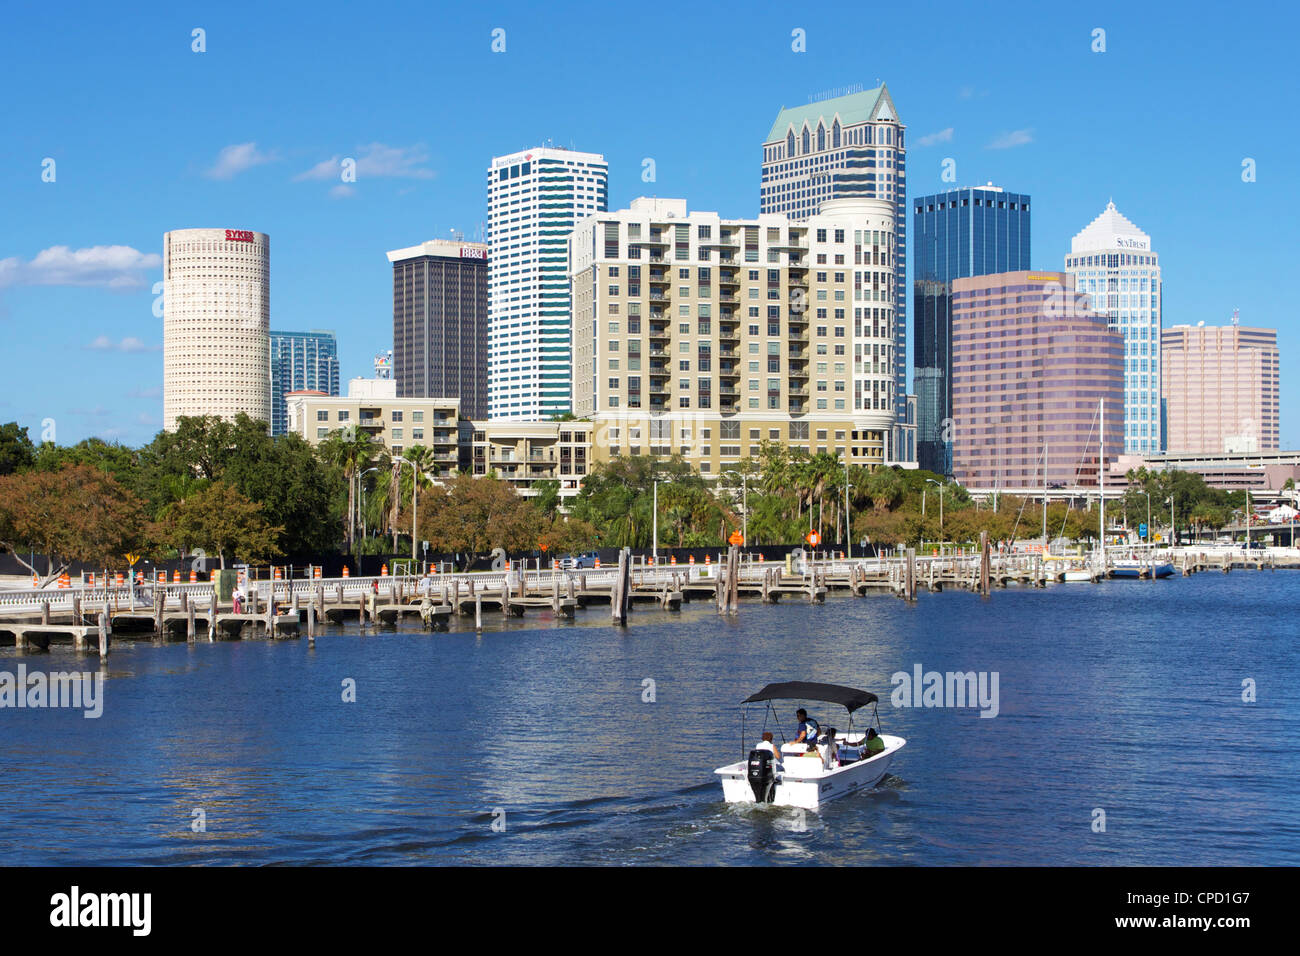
(219, 520)
(16, 449)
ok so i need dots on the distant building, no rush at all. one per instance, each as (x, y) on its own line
(301, 361)
(955, 234)
(535, 198)
(704, 337)
(844, 147)
(1221, 386)
(1113, 262)
(216, 324)
(1030, 363)
(440, 322)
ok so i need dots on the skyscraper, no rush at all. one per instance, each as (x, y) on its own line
(216, 324)
(301, 361)
(440, 322)
(1113, 262)
(844, 147)
(1220, 386)
(1030, 365)
(535, 198)
(955, 234)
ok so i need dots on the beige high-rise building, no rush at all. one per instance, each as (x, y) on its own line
(702, 336)
(1220, 386)
(216, 324)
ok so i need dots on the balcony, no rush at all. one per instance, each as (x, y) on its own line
(797, 391)
(659, 332)
(798, 371)
(729, 333)
(659, 296)
(729, 297)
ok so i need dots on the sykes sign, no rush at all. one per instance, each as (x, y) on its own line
(239, 235)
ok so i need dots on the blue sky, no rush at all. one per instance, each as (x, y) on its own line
(147, 135)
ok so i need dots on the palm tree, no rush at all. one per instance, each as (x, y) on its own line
(352, 451)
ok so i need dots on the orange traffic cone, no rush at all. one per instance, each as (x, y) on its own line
(672, 559)
(121, 579)
(176, 576)
(194, 576)
(36, 581)
(708, 559)
(383, 572)
(692, 559)
(597, 564)
(650, 558)
(65, 581)
(278, 575)
(345, 571)
(92, 579)
(315, 572)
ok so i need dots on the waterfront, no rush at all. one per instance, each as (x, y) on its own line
(1124, 696)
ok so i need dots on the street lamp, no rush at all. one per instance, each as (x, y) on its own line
(361, 494)
(1173, 526)
(415, 487)
(655, 522)
(931, 481)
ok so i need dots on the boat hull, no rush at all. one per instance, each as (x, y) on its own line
(810, 789)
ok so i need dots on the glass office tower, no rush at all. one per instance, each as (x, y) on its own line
(956, 235)
(301, 361)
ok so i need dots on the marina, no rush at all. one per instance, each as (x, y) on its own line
(90, 619)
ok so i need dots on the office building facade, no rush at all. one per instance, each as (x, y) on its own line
(955, 234)
(535, 198)
(1030, 365)
(301, 361)
(440, 322)
(844, 147)
(1113, 263)
(1221, 388)
(704, 337)
(216, 324)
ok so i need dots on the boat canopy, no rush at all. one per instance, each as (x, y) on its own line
(848, 697)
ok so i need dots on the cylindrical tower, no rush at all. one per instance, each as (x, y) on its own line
(216, 324)
(870, 225)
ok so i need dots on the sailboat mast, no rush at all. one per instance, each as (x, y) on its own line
(1101, 472)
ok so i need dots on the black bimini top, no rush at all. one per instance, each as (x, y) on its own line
(847, 697)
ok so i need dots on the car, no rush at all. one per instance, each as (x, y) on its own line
(576, 562)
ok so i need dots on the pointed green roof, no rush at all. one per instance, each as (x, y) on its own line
(852, 109)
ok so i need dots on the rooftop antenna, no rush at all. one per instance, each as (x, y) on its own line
(1236, 316)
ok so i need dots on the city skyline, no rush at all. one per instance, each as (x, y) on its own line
(83, 251)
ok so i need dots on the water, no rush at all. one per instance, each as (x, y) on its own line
(1124, 697)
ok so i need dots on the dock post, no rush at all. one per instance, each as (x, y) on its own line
(212, 617)
(311, 624)
(909, 576)
(362, 611)
(733, 588)
(159, 601)
(984, 563)
(103, 631)
(616, 593)
(76, 609)
(189, 624)
(45, 612)
(555, 594)
(478, 612)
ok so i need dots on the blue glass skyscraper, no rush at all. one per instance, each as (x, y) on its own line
(956, 234)
(301, 361)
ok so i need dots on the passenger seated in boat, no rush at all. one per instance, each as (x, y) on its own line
(809, 729)
(829, 749)
(767, 744)
(875, 744)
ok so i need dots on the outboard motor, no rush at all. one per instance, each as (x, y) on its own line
(762, 778)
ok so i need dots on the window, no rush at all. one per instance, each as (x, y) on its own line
(397, 415)
(322, 415)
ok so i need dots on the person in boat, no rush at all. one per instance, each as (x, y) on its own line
(875, 743)
(769, 745)
(809, 729)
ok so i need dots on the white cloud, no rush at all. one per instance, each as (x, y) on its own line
(235, 159)
(943, 136)
(129, 344)
(342, 191)
(377, 161)
(155, 392)
(1017, 137)
(108, 267)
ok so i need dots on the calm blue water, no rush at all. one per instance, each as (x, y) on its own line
(1124, 696)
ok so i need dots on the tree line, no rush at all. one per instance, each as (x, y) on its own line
(234, 492)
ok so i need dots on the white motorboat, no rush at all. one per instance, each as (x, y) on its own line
(808, 777)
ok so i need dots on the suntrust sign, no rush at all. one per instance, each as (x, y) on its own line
(239, 235)
(1122, 243)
